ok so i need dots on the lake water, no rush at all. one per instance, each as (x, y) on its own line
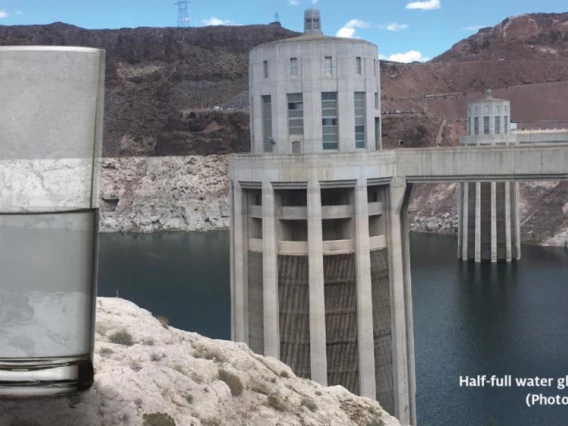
(469, 319)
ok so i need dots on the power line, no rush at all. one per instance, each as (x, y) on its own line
(183, 13)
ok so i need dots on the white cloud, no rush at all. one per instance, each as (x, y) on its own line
(394, 26)
(314, 1)
(293, 2)
(410, 56)
(348, 30)
(216, 21)
(3, 14)
(425, 5)
(473, 28)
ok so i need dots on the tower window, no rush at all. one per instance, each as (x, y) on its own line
(376, 100)
(485, 125)
(267, 123)
(375, 67)
(358, 65)
(295, 114)
(329, 120)
(359, 119)
(506, 123)
(497, 125)
(476, 125)
(328, 66)
(293, 66)
(469, 126)
(265, 66)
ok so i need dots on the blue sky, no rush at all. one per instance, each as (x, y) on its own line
(405, 30)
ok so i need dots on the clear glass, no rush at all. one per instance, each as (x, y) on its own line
(48, 266)
(50, 147)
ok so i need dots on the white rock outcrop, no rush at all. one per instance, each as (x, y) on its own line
(153, 194)
(174, 375)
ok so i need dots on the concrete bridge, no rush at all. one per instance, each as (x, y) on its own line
(380, 183)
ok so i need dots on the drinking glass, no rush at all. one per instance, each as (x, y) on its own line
(51, 113)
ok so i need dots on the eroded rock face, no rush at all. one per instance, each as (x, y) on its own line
(176, 373)
(151, 194)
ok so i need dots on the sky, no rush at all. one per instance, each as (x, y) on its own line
(404, 30)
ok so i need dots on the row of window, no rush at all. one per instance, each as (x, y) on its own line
(475, 129)
(476, 109)
(329, 121)
(328, 66)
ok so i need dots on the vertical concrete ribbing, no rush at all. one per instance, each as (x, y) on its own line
(517, 224)
(270, 273)
(493, 221)
(367, 385)
(460, 206)
(232, 257)
(508, 247)
(408, 299)
(398, 305)
(239, 277)
(318, 354)
(465, 220)
(478, 221)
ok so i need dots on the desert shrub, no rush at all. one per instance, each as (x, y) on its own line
(158, 419)
(377, 421)
(164, 321)
(318, 393)
(179, 368)
(232, 380)
(106, 351)
(214, 421)
(189, 398)
(309, 404)
(122, 337)
(209, 353)
(276, 402)
(284, 374)
(262, 388)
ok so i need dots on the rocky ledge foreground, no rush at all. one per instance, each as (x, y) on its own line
(153, 375)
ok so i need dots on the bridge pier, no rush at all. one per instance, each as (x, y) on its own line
(488, 214)
(401, 306)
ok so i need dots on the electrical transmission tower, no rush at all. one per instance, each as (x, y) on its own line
(183, 13)
(276, 18)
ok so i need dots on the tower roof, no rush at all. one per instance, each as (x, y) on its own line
(489, 98)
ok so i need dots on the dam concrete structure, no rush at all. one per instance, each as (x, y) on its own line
(488, 212)
(320, 260)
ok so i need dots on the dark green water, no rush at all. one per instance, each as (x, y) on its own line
(469, 319)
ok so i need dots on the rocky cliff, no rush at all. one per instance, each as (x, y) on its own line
(149, 374)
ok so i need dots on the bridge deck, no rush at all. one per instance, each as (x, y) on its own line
(459, 164)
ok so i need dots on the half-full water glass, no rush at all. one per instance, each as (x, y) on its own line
(51, 112)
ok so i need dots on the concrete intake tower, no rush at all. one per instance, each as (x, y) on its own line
(312, 279)
(489, 222)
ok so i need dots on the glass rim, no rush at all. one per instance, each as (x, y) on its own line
(51, 48)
